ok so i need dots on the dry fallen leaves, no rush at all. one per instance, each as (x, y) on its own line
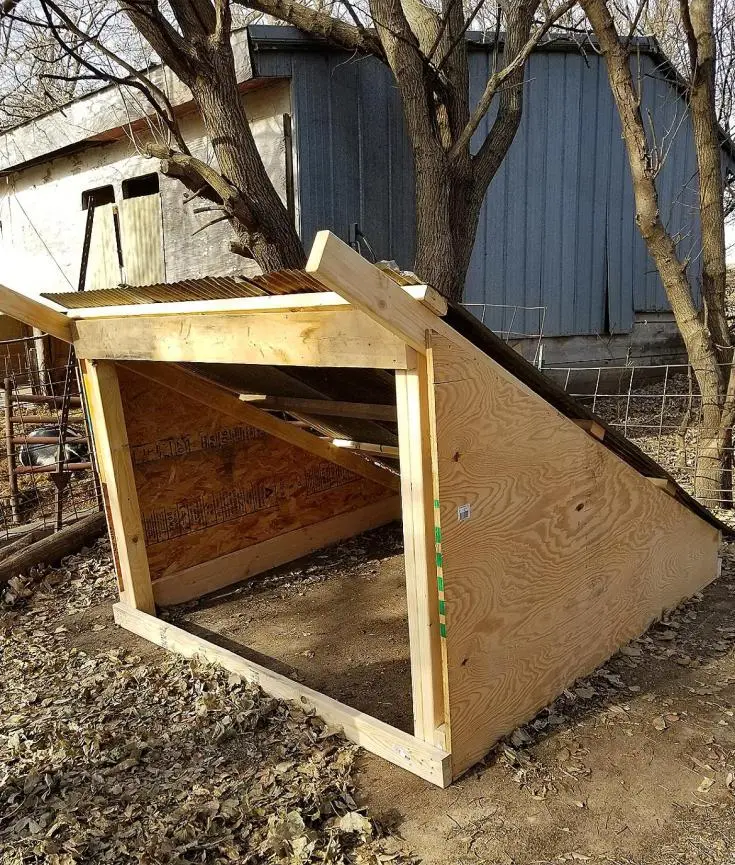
(105, 758)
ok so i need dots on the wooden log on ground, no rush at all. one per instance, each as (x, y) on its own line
(52, 549)
(25, 540)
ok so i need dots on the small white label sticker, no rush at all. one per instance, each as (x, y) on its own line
(463, 513)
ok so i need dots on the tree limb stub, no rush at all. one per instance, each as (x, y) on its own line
(202, 179)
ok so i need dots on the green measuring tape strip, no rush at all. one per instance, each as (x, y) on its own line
(439, 573)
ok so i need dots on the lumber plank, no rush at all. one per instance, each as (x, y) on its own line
(337, 338)
(555, 552)
(418, 536)
(592, 427)
(278, 303)
(322, 407)
(343, 270)
(226, 570)
(367, 447)
(664, 484)
(116, 474)
(402, 749)
(220, 398)
(35, 314)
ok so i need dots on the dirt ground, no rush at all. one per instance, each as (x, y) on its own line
(634, 765)
(336, 621)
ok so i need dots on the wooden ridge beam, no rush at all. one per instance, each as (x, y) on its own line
(341, 338)
(34, 313)
(399, 748)
(343, 270)
(322, 407)
(221, 399)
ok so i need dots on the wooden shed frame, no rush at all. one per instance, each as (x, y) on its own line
(536, 542)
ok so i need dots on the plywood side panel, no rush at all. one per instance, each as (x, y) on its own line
(209, 485)
(554, 551)
(235, 567)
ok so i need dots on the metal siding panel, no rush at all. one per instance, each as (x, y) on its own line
(534, 130)
(344, 141)
(552, 246)
(402, 211)
(619, 220)
(558, 219)
(312, 118)
(355, 162)
(573, 66)
(477, 281)
(516, 191)
(589, 292)
(605, 140)
(373, 99)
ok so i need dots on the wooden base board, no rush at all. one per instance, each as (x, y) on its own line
(404, 750)
(224, 571)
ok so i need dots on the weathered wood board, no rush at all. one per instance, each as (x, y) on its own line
(209, 485)
(554, 552)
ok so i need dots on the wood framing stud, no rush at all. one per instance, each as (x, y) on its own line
(664, 484)
(274, 303)
(418, 535)
(592, 427)
(367, 447)
(402, 749)
(322, 407)
(116, 471)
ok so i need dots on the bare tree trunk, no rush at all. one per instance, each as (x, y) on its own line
(700, 23)
(270, 235)
(701, 344)
(201, 56)
(446, 224)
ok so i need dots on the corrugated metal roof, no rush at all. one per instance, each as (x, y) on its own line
(205, 288)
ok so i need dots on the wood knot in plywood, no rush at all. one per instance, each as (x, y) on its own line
(456, 456)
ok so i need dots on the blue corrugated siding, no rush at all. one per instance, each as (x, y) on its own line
(352, 157)
(557, 228)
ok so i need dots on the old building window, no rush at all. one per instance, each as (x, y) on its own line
(137, 187)
(96, 197)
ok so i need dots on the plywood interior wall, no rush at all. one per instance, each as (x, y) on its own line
(209, 485)
(554, 551)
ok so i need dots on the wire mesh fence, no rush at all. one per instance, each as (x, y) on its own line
(659, 408)
(46, 465)
(514, 324)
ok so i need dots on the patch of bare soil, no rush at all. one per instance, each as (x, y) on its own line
(336, 621)
(114, 751)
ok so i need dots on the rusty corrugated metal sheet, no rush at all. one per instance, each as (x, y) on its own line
(205, 288)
